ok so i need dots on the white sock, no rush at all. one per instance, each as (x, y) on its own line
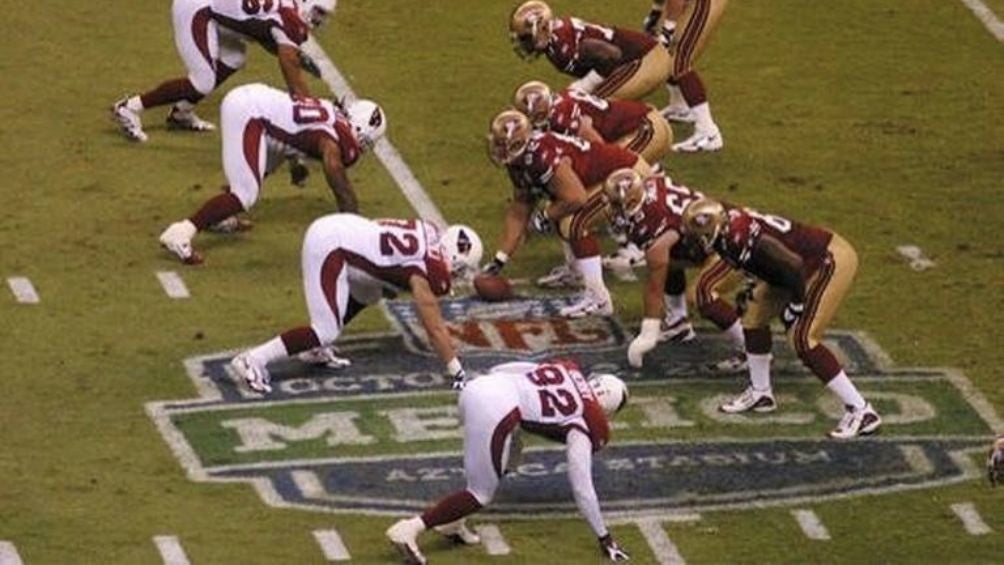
(676, 303)
(269, 351)
(845, 389)
(759, 370)
(592, 275)
(735, 335)
(184, 106)
(675, 96)
(702, 118)
(135, 103)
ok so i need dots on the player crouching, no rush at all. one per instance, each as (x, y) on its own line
(348, 262)
(515, 395)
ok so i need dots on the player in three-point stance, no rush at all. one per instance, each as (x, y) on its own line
(551, 399)
(348, 263)
(211, 37)
(262, 126)
(803, 274)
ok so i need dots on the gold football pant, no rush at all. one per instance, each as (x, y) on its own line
(697, 24)
(635, 80)
(594, 212)
(652, 140)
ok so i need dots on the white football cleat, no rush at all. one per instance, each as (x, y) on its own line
(700, 141)
(404, 535)
(750, 399)
(254, 375)
(678, 114)
(177, 239)
(187, 120)
(128, 121)
(459, 533)
(862, 422)
(588, 304)
(561, 276)
(324, 355)
(676, 328)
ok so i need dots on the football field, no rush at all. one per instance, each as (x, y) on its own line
(124, 440)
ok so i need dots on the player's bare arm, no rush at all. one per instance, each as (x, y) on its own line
(292, 69)
(657, 259)
(432, 318)
(779, 265)
(338, 180)
(569, 194)
(517, 216)
(600, 55)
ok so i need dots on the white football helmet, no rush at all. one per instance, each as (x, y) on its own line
(368, 121)
(462, 248)
(610, 391)
(314, 12)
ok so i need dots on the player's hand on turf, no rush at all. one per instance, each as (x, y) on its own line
(307, 64)
(298, 173)
(494, 267)
(651, 20)
(792, 312)
(612, 551)
(459, 380)
(995, 462)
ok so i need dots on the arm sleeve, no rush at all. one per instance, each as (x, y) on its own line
(579, 450)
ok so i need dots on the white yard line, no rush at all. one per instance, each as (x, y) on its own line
(665, 551)
(23, 290)
(811, 525)
(988, 17)
(971, 519)
(492, 539)
(170, 550)
(384, 150)
(8, 554)
(173, 284)
(332, 545)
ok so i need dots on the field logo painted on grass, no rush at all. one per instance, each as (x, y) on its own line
(383, 435)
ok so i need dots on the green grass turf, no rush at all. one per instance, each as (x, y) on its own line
(881, 120)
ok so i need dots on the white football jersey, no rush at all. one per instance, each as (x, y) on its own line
(270, 22)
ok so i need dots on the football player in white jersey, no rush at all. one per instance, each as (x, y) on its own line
(261, 127)
(348, 263)
(211, 37)
(551, 399)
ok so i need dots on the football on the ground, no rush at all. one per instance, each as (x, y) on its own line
(493, 288)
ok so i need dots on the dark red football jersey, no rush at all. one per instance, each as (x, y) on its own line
(592, 162)
(568, 33)
(745, 227)
(612, 119)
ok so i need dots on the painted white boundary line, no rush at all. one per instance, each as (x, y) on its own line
(8, 554)
(811, 525)
(665, 551)
(23, 290)
(170, 550)
(173, 284)
(988, 17)
(332, 545)
(971, 519)
(492, 539)
(384, 150)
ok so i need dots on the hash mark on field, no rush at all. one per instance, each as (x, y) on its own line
(8, 554)
(989, 19)
(665, 551)
(492, 539)
(971, 519)
(23, 290)
(170, 550)
(811, 526)
(173, 284)
(332, 545)
(384, 150)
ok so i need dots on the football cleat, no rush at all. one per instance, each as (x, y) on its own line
(676, 329)
(324, 355)
(459, 533)
(177, 239)
(562, 276)
(128, 121)
(750, 399)
(187, 120)
(588, 304)
(233, 224)
(862, 422)
(700, 141)
(254, 375)
(404, 536)
(677, 114)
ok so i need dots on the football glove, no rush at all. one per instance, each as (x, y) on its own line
(307, 64)
(792, 312)
(651, 20)
(540, 222)
(494, 267)
(645, 342)
(995, 462)
(459, 379)
(298, 172)
(611, 550)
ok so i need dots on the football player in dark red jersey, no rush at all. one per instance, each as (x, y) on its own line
(649, 212)
(567, 174)
(804, 273)
(609, 62)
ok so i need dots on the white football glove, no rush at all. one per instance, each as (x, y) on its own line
(645, 342)
(611, 550)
